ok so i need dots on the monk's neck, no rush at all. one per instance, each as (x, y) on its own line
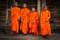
(33, 11)
(24, 8)
(15, 6)
(44, 9)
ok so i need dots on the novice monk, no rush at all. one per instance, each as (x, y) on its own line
(44, 22)
(15, 14)
(25, 14)
(33, 24)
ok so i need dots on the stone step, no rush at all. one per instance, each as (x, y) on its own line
(57, 24)
(3, 5)
(2, 24)
(56, 14)
(2, 18)
(56, 18)
(2, 9)
(56, 21)
(2, 13)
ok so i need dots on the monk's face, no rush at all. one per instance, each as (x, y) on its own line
(16, 4)
(33, 9)
(45, 7)
(24, 5)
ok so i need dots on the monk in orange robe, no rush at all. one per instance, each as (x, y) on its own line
(44, 22)
(15, 14)
(33, 24)
(25, 14)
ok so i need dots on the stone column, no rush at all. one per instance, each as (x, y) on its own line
(43, 3)
(38, 6)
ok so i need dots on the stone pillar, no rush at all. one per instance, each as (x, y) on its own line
(7, 13)
(43, 3)
(38, 6)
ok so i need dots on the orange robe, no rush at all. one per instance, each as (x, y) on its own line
(15, 13)
(25, 14)
(45, 25)
(33, 24)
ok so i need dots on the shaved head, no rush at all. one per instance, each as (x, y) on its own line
(33, 9)
(15, 4)
(45, 7)
(24, 5)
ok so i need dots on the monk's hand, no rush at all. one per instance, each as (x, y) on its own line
(34, 21)
(47, 20)
(18, 18)
(21, 20)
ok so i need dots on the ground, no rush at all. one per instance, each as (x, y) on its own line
(7, 35)
(54, 36)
